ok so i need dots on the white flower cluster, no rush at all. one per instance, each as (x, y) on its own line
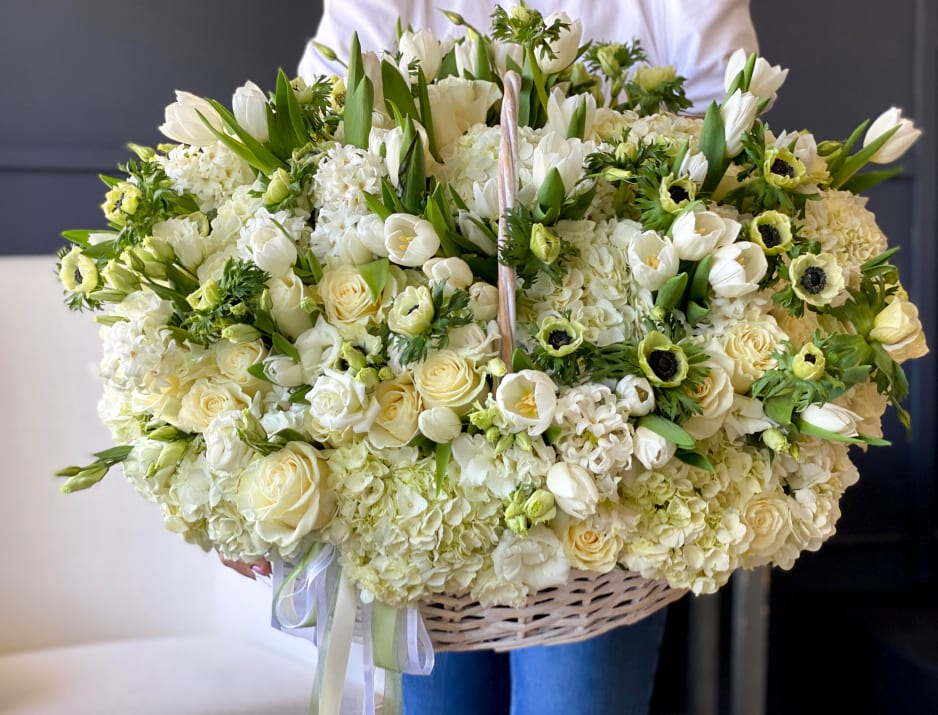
(301, 342)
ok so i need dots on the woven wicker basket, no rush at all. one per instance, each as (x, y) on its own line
(589, 603)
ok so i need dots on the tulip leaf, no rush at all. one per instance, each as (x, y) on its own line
(856, 162)
(426, 117)
(283, 345)
(389, 196)
(695, 459)
(701, 280)
(521, 361)
(834, 166)
(396, 91)
(482, 64)
(815, 431)
(550, 197)
(444, 453)
(249, 149)
(577, 127)
(413, 176)
(669, 430)
(696, 312)
(860, 183)
(713, 146)
(358, 107)
(671, 293)
(376, 207)
(375, 275)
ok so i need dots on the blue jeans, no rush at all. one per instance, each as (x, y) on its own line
(611, 674)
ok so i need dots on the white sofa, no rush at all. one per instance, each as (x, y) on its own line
(101, 610)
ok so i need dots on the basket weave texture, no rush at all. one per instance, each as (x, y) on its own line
(589, 603)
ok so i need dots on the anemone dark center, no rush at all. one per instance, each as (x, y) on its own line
(813, 280)
(663, 363)
(811, 358)
(678, 193)
(780, 167)
(770, 236)
(558, 338)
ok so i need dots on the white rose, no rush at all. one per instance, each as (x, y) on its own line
(338, 402)
(768, 518)
(475, 343)
(410, 240)
(652, 260)
(319, 348)
(439, 424)
(288, 294)
(224, 450)
(527, 400)
(637, 395)
(554, 151)
(899, 143)
(564, 48)
(832, 418)
(651, 448)
(536, 560)
(182, 123)
(398, 409)
(574, 489)
(483, 300)
(233, 359)
(738, 113)
(205, 400)
(737, 269)
(421, 47)
(455, 272)
(446, 379)
(714, 395)
(249, 104)
(285, 493)
(589, 546)
(460, 104)
(284, 371)
(898, 328)
(698, 233)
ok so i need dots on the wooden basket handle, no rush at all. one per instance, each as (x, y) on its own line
(507, 195)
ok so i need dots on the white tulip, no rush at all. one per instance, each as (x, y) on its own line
(560, 111)
(564, 47)
(737, 269)
(652, 260)
(574, 489)
(421, 47)
(637, 394)
(696, 234)
(554, 151)
(288, 295)
(183, 124)
(455, 272)
(439, 424)
(898, 143)
(527, 400)
(766, 79)
(695, 166)
(410, 240)
(832, 418)
(483, 300)
(250, 109)
(458, 104)
(738, 113)
(652, 449)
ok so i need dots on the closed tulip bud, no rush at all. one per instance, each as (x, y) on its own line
(898, 144)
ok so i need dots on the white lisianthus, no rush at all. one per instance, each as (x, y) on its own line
(765, 80)
(455, 272)
(652, 259)
(224, 449)
(636, 394)
(574, 488)
(439, 424)
(899, 143)
(412, 311)
(338, 402)
(183, 124)
(286, 494)
(527, 400)
(398, 410)
(832, 418)
(319, 349)
(562, 50)
(284, 371)
(447, 379)
(457, 104)
(737, 269)
(288, 296)
(652, 449)
(554, 151)
(536, 560)
(205, 400)
(898, 328)
(699, 233)
(483, 300)
(561, 109)
(745, 417)
(249, 104)
(410, 240)
(421, 47)
(188, 237)
(738, 113)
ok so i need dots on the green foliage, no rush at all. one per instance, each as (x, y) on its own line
(451, 311)
(239, 291)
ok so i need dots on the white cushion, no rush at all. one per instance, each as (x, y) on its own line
(198, 675)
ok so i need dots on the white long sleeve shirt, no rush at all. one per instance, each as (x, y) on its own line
(696, 36)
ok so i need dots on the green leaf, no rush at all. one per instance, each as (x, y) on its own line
(815, 431)
(700, 284)
(376, 276)
(484, 267)
(482, 65)
(671, 293)
(577, 127)
(860, 183)
(669, 430)
(550, 197)
(444, 453)
(257, 370)
(389, 196)
(413, 169)
(397, 91)
(358, 106)
(856, 162)
(520, 361)
(283, 345)
(696, 312)
(713, 146)
(438, 214)
(779, 409)
(695, 459)
(115, 454)
(251, 150)
(376, 207)
(426, 116)
(835, 165)
(289, 435)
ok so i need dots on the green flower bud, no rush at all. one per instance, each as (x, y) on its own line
(772, 231)
(240, 333)
(828, 147)
(353, 356)
(166, 433)
(497, 368)
(158, 250)
(518, 524)
(454, 17)
(523, 440)
(525, 15)
(326, 51)
(545, 244)
(675, 194)
(608, 61)
(493, 434)
(385, 373)
(250, 429)
(809, 363)
(278, 189)
(782, 168)
(205, 297)
(368, 377)
(85, 478)
(662, 362)
(120, 278)
(560, 337)
(483, 419)
(540, 507)
(504, 443)
(121, 202)
(78, 272)
(265, 302)
(170, 455)
(777, 441)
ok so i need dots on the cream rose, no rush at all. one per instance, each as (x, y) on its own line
(398, 410)
(347, 299)
(234, 359)
(338, 402)
(205, 400)
(768, 518)
(285, 494)
(587, 545)
(446, 379)
(750, 347)
(319, 348)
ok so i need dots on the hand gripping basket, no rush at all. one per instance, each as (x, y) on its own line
(589, 603)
